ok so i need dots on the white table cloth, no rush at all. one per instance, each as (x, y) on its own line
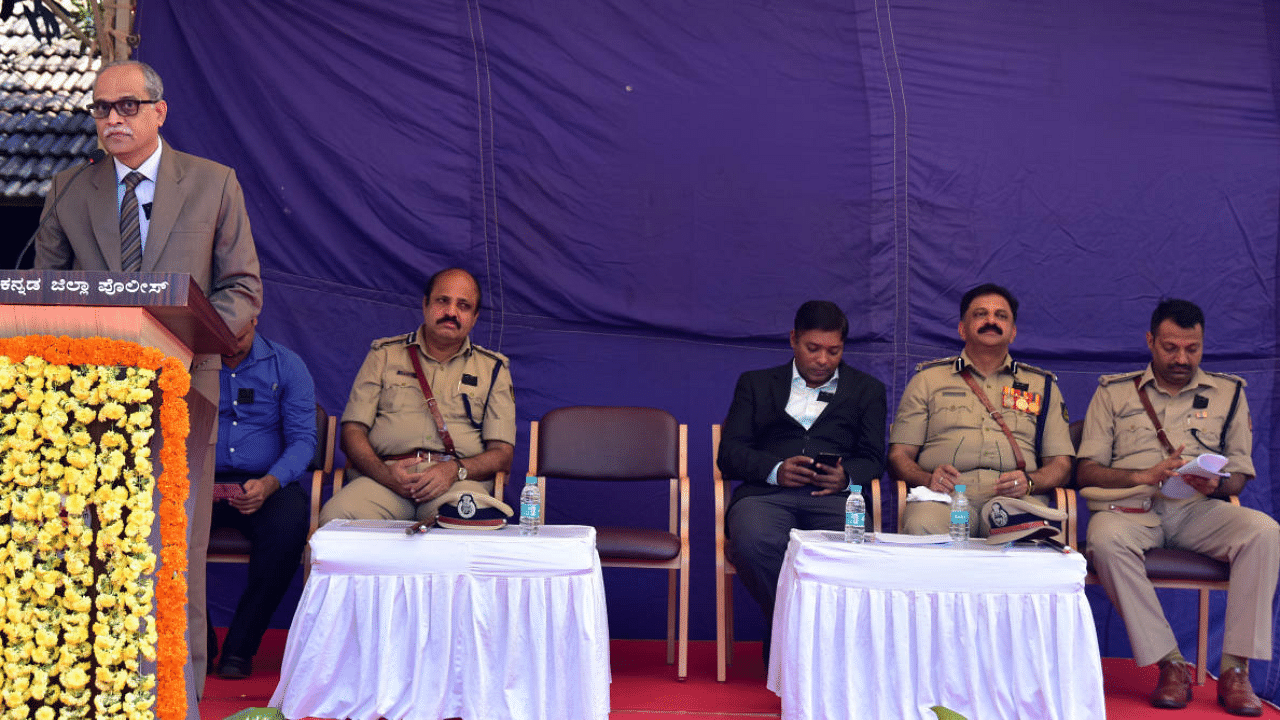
(887, 631)
(450, 623)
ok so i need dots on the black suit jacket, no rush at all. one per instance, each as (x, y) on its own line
(758, 433)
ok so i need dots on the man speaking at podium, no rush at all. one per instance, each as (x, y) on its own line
(154, 209)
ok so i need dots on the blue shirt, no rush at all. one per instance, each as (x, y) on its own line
(267, 414)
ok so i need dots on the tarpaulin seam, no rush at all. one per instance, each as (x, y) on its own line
(488, 170)
(898, 191)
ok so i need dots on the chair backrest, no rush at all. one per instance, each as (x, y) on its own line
(326, 428)
(588, 442)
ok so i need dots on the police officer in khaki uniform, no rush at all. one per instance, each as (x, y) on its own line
(1199, 412)
(944, 435)
(401, 454)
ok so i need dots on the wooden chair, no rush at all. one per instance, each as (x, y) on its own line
(725, 569)
(627, 444)
(1166, 568)
(229, 545)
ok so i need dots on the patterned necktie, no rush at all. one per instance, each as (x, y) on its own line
(130, 229)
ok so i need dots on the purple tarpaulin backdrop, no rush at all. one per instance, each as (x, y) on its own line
(646, 191)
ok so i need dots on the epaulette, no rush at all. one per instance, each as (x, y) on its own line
(953, 360)
(1109, 379)
(502, 359)
(406, 339)
(1229, 377)
(1020, 366)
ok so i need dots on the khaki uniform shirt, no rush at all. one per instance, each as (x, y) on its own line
(940, 414)
(387, 399)
(1118, 433)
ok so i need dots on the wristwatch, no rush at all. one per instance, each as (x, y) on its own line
(462, 469)
(1031, 484)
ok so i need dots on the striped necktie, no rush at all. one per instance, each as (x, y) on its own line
(130, 229)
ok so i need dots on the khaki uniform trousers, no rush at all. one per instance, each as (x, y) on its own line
(1247, 539)
(367, 499)
(934, 518)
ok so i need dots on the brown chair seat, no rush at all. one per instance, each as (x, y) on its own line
(642, 544)
(1180, 565)
(228, 541)
(1171, 564)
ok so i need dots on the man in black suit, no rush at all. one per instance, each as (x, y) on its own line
(781, 419)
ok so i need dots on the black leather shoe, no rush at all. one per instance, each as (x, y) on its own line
(235, 668)
(1173, 691)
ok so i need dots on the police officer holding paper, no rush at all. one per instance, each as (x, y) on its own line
(1141, 428)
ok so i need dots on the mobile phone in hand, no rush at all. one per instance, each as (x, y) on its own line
(831, 460)
(227, 491)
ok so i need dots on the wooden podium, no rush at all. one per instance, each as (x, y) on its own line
(167, 311)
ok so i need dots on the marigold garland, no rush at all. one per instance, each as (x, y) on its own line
(60, 602)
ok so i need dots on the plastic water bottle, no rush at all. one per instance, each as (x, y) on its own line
(959, 515)
(855, 516)
(530, 507)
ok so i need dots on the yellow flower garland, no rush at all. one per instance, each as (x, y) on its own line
(76, 604)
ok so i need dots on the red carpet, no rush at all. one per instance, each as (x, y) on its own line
(645, 688)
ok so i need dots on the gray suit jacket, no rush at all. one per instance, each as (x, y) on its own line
(198, 226)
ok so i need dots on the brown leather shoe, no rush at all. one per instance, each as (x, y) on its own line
(1235, 694)
(1173, 691)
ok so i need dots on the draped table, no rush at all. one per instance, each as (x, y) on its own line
(450, 623)
(883, 630)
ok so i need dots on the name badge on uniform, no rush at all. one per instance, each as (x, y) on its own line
(1021, 400)
(1198, 402)
(471, 380)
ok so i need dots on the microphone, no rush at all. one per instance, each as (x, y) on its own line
(95, 157)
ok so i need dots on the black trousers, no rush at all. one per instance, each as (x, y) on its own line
(759, 527)
(277, 533)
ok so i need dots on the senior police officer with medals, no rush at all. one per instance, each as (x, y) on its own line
(1140, 429)
(427, 409)
(979, 419)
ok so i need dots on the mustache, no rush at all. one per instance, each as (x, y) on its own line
(449, 319)
(991, 326)
(117, 130)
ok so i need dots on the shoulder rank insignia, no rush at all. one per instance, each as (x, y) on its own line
(1119, 377)
(406, 339)
(502, 359)
(1229, 377)
(1018, 367)
(954, 359)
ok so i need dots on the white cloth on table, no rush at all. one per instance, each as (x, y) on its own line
(450, 623)
(888, 631)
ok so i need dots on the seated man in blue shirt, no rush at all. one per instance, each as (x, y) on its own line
(266, 438)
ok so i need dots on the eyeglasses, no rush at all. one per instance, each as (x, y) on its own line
(124, 107)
